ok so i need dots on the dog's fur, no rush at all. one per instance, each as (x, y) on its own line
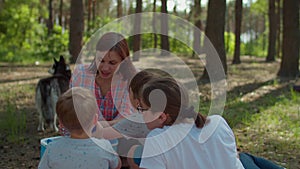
(47, 92)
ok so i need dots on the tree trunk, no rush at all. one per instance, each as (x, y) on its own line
(272, 32)
(175, 10)
(89, 14)
(50, 19)
(250, 27)
(228, 30)
(289, 67)
(238, 24)
(173, 42)
(137, 31)
(61, 3)
(215, 33)
(264, 42)
(154, 25)
(130, 9)
(278, 27)
(165, 46)
(94, 12)
(198, 27)
(119, 9)
(76, 29)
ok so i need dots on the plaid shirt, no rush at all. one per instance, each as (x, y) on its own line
(115, 104)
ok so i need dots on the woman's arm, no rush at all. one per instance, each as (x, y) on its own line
(106, 132)
(111, 123)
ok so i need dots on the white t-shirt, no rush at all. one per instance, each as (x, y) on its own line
(79, 153)
(186, 146)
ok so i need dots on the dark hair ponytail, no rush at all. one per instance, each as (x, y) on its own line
(176, 103)
(200, 120)
(190, 113)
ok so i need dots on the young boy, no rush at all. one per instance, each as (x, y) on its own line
(77, 111)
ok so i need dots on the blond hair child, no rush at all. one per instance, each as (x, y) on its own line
(77, 111)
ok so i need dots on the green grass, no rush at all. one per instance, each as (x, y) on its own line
(13, 119)
(272, 130)
(15, 123)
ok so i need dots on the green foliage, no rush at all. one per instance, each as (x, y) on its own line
(23, 37)
(257, 47)
(259, 7)
(52, 45)
(18, 29)
(179, 47)
(95, 26)
(294, 95)
(148, 41)
(176, 46)
(229, 43)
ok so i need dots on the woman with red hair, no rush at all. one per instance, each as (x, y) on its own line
(108, 76)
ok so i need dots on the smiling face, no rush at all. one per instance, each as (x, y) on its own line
(107, 63)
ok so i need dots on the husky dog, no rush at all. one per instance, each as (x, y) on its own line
(48, 90)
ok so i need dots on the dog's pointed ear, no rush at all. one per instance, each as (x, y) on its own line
(55, 61)
(61, 58)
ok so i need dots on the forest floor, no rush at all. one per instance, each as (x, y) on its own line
(250, 81)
